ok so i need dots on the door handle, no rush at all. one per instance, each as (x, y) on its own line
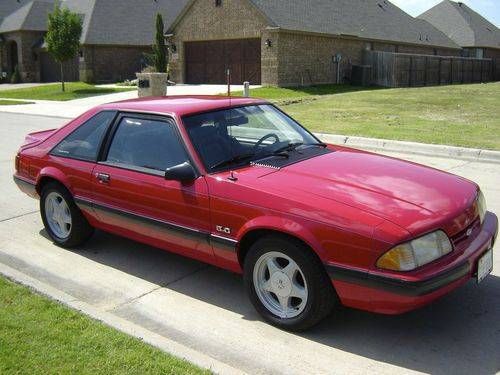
(103, 178)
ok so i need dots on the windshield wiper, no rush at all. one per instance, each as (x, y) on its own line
(295, 145)
(289, 147)
(319, 144)
(234, 160)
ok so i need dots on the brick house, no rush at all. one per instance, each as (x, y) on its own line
(292, 42)
(116, 33)
(476, 35)
(271, 42)
(22, 26)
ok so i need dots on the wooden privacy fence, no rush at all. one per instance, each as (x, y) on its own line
(391, 69)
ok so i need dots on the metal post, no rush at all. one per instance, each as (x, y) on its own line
(410, 71)
(246, 89)
(229, 82)
(451, 71)
(463, 69)
(426, 66)
(440, 70)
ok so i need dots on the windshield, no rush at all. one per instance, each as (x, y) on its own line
(234, 137)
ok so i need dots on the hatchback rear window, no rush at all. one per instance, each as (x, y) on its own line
(84, 142)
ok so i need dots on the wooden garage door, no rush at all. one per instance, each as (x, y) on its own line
(207, 62)
(51, 71)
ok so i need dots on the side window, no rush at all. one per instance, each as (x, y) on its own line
(146, 143)
(84, 142)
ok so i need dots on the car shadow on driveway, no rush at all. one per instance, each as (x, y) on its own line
(458, 334)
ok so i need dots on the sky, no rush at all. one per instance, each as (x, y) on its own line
(489, 9)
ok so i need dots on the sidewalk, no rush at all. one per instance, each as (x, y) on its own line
(74, 108)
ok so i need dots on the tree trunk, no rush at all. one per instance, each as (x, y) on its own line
(62, 78)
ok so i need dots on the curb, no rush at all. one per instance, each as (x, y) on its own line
(174, 348)
(375, 144)
(472, 154)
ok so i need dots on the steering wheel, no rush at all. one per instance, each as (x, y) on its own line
(263, 139)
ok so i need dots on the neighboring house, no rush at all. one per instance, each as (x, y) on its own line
(475, 34)
(116, 34)
(22, 26)
(292, 42)
(273, 42)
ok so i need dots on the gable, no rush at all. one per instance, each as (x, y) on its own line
(202, 20)
(31, 16)
(462, 24)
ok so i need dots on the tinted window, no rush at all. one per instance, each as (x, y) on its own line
(84, 142)
(144, 143)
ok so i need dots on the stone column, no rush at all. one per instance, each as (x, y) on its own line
(152, 84)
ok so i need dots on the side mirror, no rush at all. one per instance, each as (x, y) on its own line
(182, 172)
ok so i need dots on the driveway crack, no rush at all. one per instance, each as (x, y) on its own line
(186, 276)
(133, 299)
(18, 216)
(459, 166)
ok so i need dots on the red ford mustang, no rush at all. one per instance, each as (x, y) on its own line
(239, 184)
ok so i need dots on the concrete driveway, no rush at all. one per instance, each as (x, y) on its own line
(74, 108)
(206, 309)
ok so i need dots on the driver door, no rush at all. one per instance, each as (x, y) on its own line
(133, 198)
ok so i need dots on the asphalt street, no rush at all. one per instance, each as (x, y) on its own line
(206, 309)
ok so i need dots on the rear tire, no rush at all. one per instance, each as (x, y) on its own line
(63, 220)
(287, 283)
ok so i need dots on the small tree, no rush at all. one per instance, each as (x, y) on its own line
(63, 36)
(160, 52)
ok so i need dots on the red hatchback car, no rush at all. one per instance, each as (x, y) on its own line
(239, 184)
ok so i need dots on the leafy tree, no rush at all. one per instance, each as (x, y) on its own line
(63, 36)
(160, 52)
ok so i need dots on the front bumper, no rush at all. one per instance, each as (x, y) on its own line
(390, 294)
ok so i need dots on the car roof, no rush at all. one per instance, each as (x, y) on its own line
(180, 105)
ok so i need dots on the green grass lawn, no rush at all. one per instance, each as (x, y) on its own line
(285, 94)
(39, 336)
(459, 115)
(74, 90)
(13, 102)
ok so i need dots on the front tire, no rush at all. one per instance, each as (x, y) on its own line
(63, 220)
(287, 283)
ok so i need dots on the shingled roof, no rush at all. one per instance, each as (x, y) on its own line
(370, 19)
(31, 15)
(105, 22)
(123, 22)
(131, 22)
(462, 24)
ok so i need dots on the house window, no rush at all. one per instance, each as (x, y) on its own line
(218, 3)
(479, 53)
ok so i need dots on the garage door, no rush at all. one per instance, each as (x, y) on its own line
(207, 62)
(51, 70)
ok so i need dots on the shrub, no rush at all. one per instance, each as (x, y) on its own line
(16, 76)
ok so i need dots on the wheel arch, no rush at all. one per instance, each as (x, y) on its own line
(252, 233)
(48, 175)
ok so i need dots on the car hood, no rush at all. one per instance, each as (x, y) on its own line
(412, 196)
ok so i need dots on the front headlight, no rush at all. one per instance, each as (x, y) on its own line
(481, 206)
(416, 253)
